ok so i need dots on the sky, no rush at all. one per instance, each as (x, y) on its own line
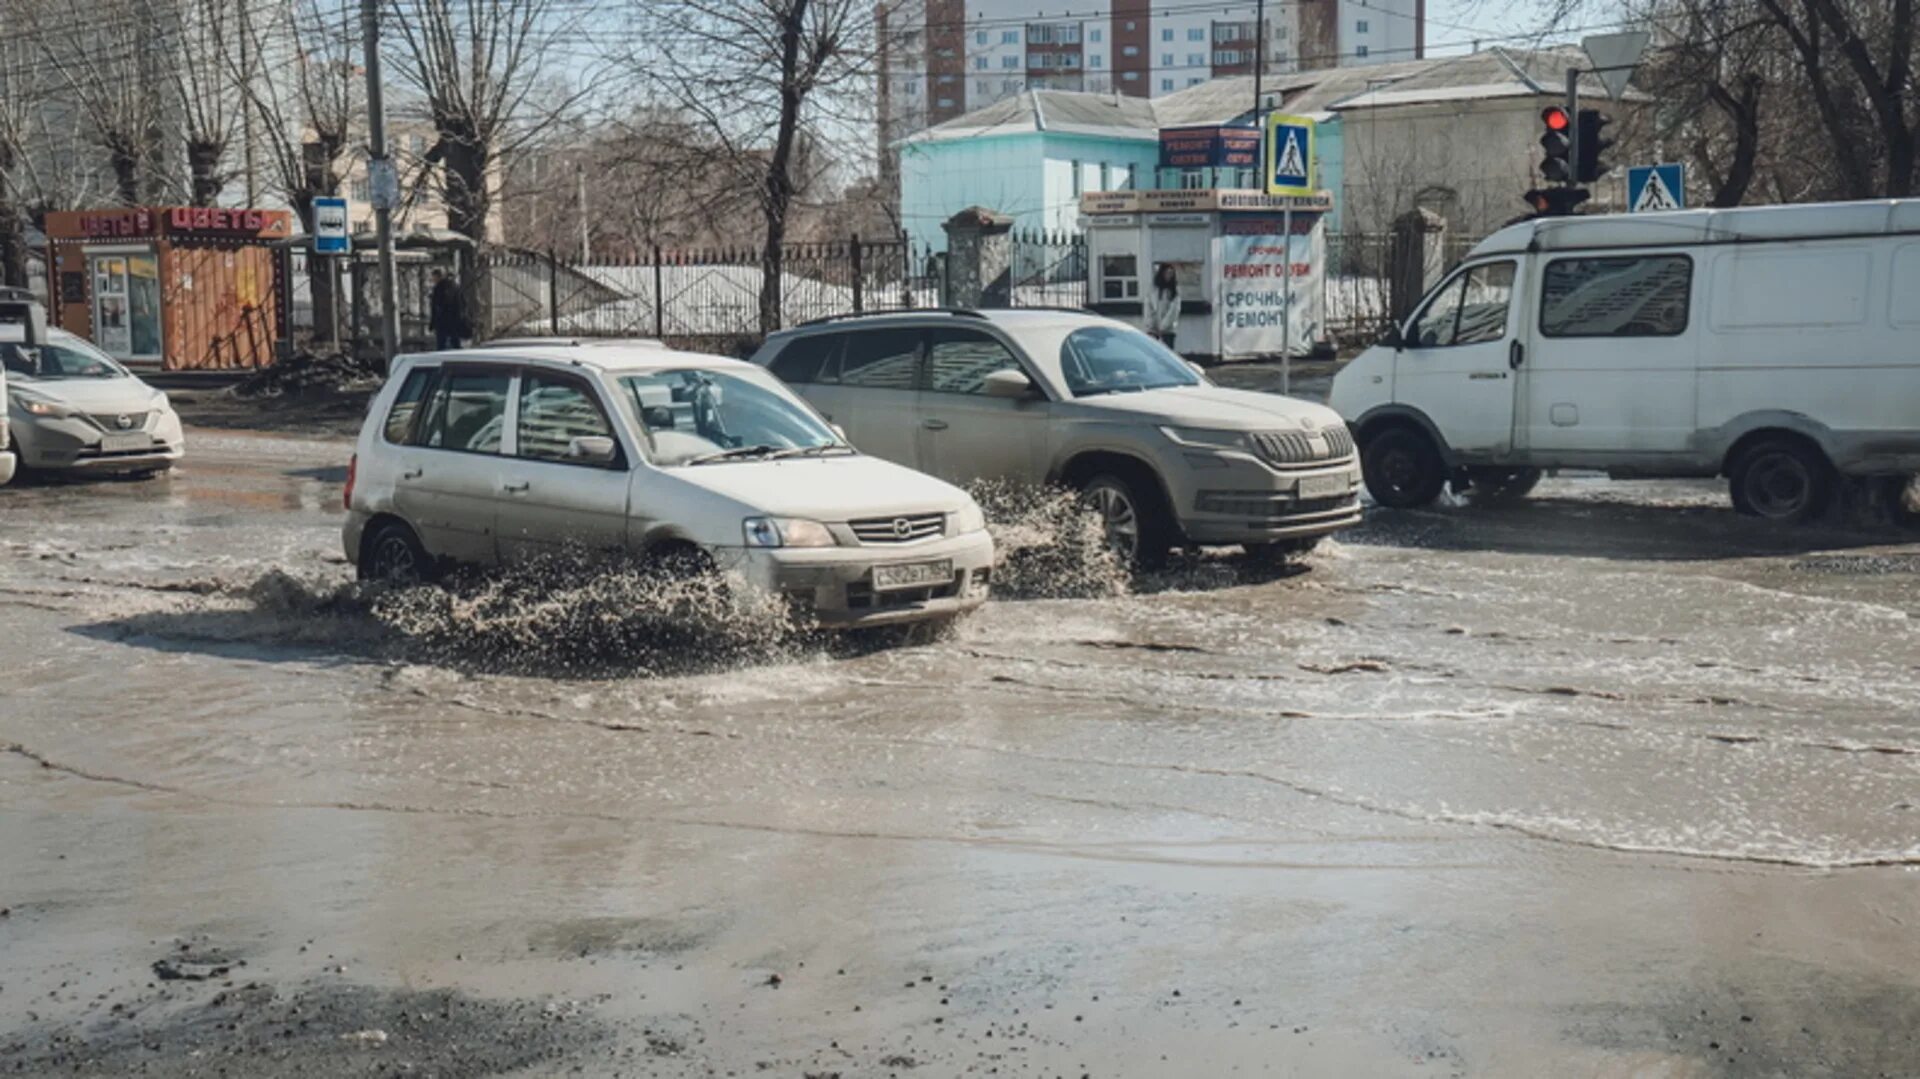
(1458, 23)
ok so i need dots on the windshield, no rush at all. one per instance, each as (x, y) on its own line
(1119, 359)
(696, 416)
(58, 360)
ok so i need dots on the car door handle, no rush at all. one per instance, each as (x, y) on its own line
(1516, 355)
(514, 487)
(413, 473)
(934, 425)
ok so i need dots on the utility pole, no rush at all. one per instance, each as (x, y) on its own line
(1259, 55)
(382, 182)
(246, 109)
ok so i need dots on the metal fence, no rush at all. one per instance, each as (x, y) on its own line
(1359, 280)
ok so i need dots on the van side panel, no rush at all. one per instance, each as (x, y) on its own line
(1818, 337)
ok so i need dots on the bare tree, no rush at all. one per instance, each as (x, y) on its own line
(300, 76)
(483, 69)
(19, 102)
(110, 66)
(199, 34)
(763, 75)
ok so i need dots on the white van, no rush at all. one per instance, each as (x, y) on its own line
(1777, 346)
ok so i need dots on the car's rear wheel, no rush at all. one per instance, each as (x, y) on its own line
(1133, 518)
(1403, 468)
(1490, 486)
(394, 556)
(1781, 479)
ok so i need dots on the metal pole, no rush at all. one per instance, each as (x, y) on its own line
(1286, 297)
(659, 293)
(377, 162)
(1573, 125)
(1259, 52)
(333, 275)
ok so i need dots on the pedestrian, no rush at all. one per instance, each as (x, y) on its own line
(1163, 304)
(447, 312)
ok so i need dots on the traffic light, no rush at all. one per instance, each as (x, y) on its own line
(1557, 142)
(1555, 201)
(1591, 168)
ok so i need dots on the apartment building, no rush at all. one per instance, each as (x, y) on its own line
(942, 58)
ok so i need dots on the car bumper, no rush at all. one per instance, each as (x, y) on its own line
(1243, 501)
(7, 465)
(74, 444)
(834, 585)
(351, 532)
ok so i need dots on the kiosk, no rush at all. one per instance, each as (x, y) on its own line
(172, 288)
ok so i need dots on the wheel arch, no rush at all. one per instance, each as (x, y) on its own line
(377, 523)
(1743, 434)
(1082, 465)
(1378, 419)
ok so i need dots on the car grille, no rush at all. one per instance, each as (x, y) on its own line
(862, 597)
(903, 529)
(110, 421)
(1303, 447)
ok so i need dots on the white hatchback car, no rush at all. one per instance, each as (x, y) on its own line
(73, 408)
(1052, 396)
(494, 454)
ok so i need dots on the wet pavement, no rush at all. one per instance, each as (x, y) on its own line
(1609, 782)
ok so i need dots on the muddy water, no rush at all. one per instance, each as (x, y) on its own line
(1611, 778)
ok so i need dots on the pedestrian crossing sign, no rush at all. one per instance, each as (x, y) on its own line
(1656, 187)
(1289, 155)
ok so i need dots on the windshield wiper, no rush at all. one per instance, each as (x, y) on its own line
(811, 451)
(759, 450)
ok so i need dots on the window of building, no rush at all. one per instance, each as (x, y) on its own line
(1633, 296)
(1195, 179)
(1129, 50)
(1360, 26)
(946, 80)
(1166, 59)
(959, 361)
(1070, 59)
(1119, 277)
(944, 103)
(911, 86)
(1130, 76)
(1195, 33)
(1195, 81)
(982, 87)
(1093, 36)
(1009, 37)
(1280, 32)
(979, 37)
(1196, 59)
(1009, 61)
(979, 63)
(1360, 51)
(1096, 61)
(1165, 85)
(1130, 25)
(1166, 34)
(1010, 86)
(1470, 309)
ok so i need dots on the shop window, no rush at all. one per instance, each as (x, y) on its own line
(1119, 277)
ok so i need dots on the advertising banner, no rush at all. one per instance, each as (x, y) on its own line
(1270, 298)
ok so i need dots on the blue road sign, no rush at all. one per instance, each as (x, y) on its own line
(1656, 187)
(1289, 155)
(330, 232)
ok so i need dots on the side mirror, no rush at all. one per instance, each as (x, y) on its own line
(592, 450)
(1009, 383)
(1392, 338)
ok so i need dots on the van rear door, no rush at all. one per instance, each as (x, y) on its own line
(1612, 371)
(1460, 351)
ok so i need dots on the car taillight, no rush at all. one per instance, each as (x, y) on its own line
(353, 469)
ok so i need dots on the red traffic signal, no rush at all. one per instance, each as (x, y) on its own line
(1556, 119)
(1557, 143)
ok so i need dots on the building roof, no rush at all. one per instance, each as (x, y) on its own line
(1069, 112)
(1493, 73)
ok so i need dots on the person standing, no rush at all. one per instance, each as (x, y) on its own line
(447, 312)
(1163, 304)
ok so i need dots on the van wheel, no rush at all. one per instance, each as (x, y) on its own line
(1402, 468)
(1491, 486)
(1781, 480)
(394, 556)
(1134, 520)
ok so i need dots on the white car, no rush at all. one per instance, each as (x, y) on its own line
(495, 454)
(1051, 396)
(73, 408)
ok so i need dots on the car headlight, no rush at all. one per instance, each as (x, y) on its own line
(968, 518)
(1200, 436)
(40, 406)
(785, 532)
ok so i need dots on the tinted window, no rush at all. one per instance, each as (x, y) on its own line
(407, 403)
(1468, 310)
(554, 412)
(469, 411)
(801, 361)
(1634, 296)
(881, 358)
(1101, 359)
(959, 361)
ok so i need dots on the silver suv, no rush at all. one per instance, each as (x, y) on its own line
(1051, 396)
(501, 453)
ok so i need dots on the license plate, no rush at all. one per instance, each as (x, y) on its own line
(1323, 486)
(912, 575)
(139, 440)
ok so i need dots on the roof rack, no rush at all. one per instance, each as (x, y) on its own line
(958, 312)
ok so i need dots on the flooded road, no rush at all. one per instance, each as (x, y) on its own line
(1610, 780)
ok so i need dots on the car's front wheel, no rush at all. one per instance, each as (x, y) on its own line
(394, 556)
(1403, 468)
(1132, 517)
